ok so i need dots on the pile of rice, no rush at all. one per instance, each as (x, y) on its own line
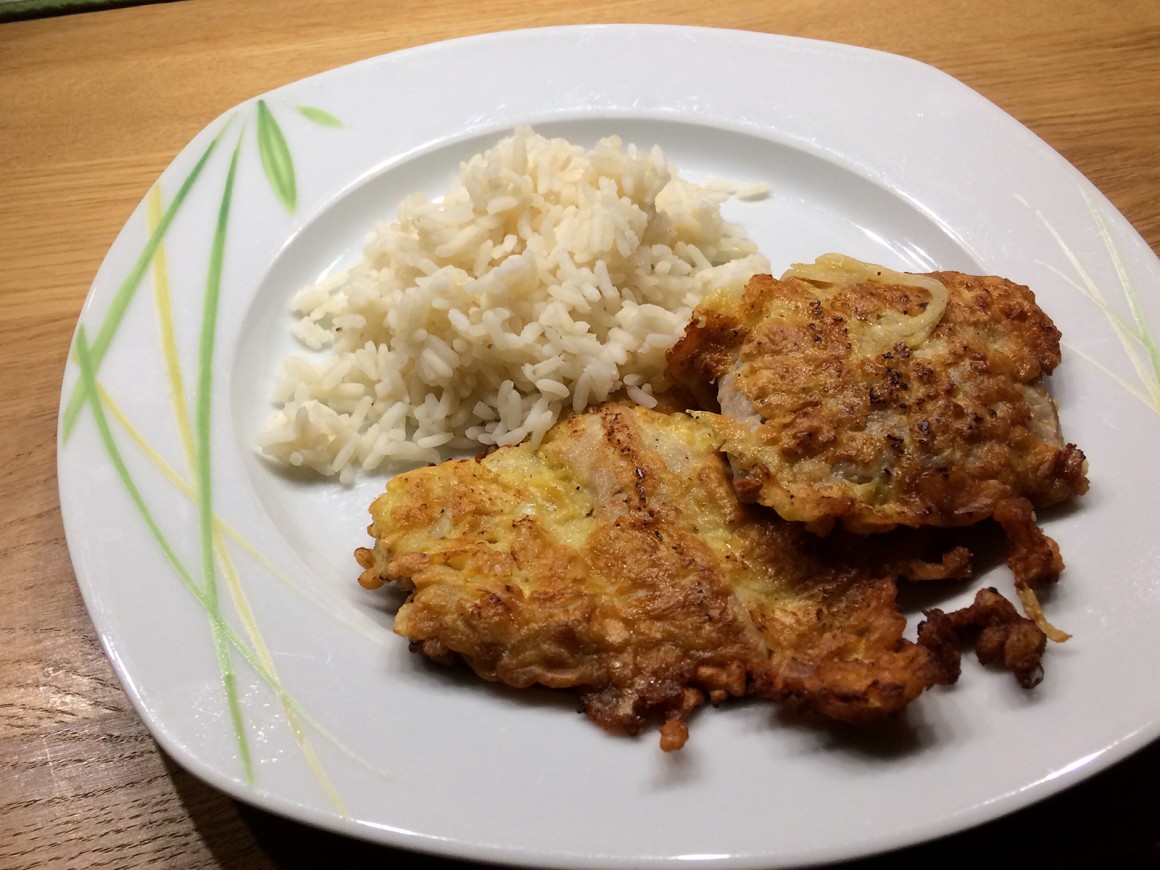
(549, 279)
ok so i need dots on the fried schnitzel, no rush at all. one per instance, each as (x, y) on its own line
(615, 559)
(855, 395)
(832, 411)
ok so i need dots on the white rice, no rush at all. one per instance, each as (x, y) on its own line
(550, 278)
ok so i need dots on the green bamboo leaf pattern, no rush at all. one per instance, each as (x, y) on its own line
(89, 393)
(221, 632)
(162, 303)
(97, 397)
(1134, 335)
(319, 116)
(260, 663)
(1143, 332)
(129, 286)
(204, 464)
(276, 159)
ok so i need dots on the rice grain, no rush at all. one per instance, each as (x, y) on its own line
(549, 278)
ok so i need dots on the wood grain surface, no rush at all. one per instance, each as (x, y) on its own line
(93, 106)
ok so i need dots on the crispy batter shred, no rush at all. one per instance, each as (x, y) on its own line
(1001, 637)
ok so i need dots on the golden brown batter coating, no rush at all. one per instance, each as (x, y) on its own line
(617, 560)
(832, 411)
(1000, 635)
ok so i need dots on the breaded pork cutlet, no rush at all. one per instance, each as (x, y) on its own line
(616, 560)
(850, 394)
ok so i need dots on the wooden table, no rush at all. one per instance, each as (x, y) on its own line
(93, 106)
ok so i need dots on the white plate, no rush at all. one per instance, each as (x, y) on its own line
(874, 155)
